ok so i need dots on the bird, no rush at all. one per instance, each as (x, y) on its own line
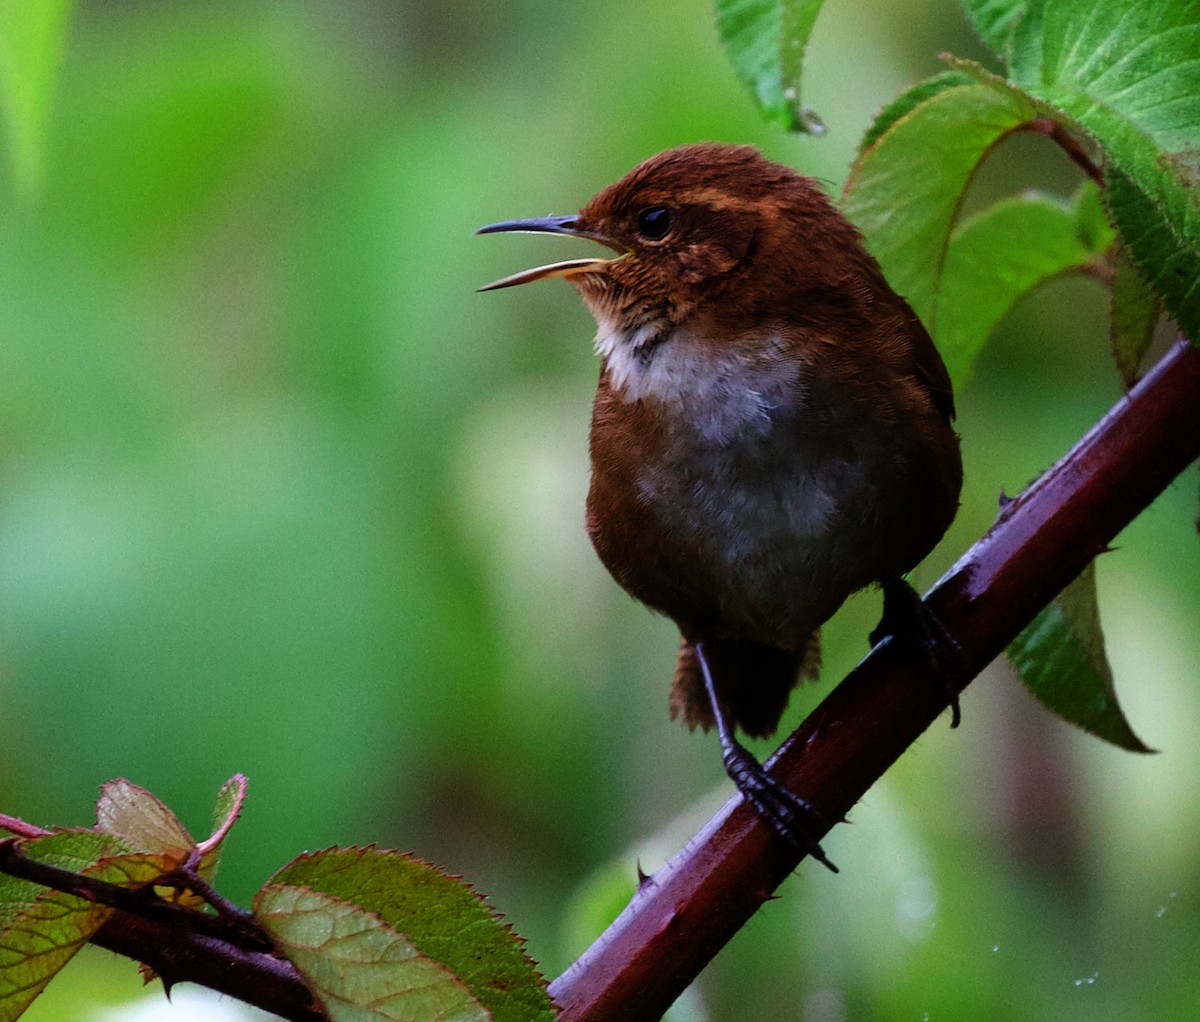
(772, 431)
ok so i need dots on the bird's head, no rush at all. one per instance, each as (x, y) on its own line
(709, 230)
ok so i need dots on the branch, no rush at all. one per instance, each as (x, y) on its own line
(255, 977)
(685, 913)
(226, 954)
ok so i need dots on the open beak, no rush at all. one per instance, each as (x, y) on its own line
(549, 225)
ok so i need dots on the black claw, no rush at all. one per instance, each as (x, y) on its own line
(788, 815)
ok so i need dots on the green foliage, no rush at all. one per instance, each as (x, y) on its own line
(1125, 75)
(1161, 229)
(1134, 315)
(42, 929)
(904, 192)
(990, 263)
(441, 920)
(908, 101)
(1060, 656)
(1117, 88)
(766, 40)
(995, 20)
(137, 840)
(358, 966)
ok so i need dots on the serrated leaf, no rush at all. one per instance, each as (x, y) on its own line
(1165, 246)
(32, 36)
(1061, 659)
(1126, 74)
(908, 101)
(765, 41)
(228, 808)
(129, 810)
(357, 964)
(905, 190)
(997, 255)
(42, 929)
(1135, 314)
(442, 917)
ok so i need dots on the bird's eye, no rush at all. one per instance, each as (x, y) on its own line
(654, 222)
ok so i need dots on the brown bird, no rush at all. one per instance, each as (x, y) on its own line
(771, 431)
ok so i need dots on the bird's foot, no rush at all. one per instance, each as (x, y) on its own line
(907, 618)
(790, 816)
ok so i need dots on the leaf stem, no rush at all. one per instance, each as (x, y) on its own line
(15, 825)
(1054, 130)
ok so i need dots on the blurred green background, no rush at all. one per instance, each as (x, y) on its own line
(279, 493)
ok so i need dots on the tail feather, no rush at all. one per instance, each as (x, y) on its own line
(752, 680)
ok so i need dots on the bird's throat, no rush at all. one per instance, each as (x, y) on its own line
(723, 390)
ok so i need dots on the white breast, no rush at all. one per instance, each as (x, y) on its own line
(752, 490)
(723, 392)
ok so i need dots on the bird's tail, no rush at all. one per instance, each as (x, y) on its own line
(752, 680)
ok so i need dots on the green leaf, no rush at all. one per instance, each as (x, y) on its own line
(1060, 657)
(440, 915)
(1164, 245)
(997, 255)
(42, 929)
(1126, 74)
(1135, 314)
(358, 966)
(131, 812)
(995, 20)
(908, 101)
(230, 800)
(765, 41)
(904, 191)
(32, 35)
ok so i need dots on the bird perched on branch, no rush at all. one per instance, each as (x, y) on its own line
(771, 431)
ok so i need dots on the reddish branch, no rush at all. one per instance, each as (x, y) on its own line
(688, 910)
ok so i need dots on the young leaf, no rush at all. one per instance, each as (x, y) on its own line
(441, 916)
(32, 33)
(1060, 657)
(131, 812)
(230, 799)
(997, 255)
(904, 191)
(41, 929)
(359, 967)
(765, 41)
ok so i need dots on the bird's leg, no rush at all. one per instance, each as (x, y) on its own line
(783, 809)
(907, 619)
